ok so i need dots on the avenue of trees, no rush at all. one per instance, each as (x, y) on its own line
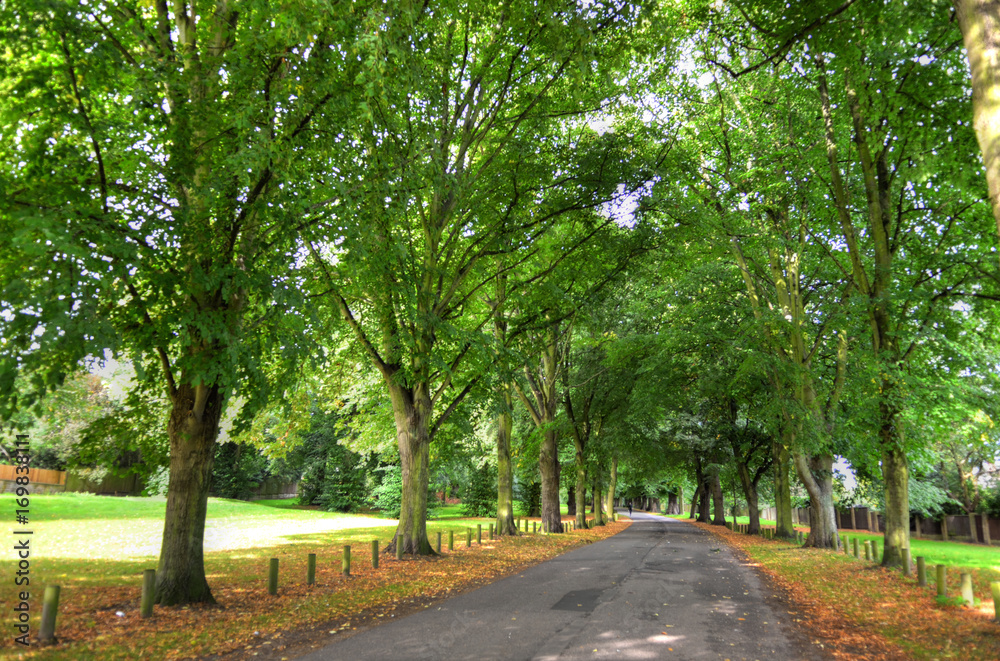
(531, 254)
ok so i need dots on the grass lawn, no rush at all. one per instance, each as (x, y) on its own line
(96, 548)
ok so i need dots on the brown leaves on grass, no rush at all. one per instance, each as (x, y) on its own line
(858, 610)
(104, 623)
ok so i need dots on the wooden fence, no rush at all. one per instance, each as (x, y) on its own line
(35, 475)
(43, 480)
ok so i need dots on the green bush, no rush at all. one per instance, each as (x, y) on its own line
(480, 497)
(387, 497)
(238, 471)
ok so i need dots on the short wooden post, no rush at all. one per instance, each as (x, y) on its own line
(491, 532)
(942, 581)
(479, 534)
(995, 590)
(148, 593)
(855, 541)
(534, 527)
(451, 540)
(921, 571)
(50, 606)
(845, 543)
(345, 566)
(375, 551)
(967, 589)
(868, 550)
(311, 569)
(439, 542)
(906, 562)
(272, 577)
(468, 537)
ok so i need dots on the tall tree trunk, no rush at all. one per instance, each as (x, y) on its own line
(571, 500)
(695, 499)
(750, 493)
(597, 504)
(411, 410)
(816, 473)
(505, 472)
(581, 494)
(782, 492)
(548, 463)
(612, 485)
(895, 476)
(192, 429)
(979, 21)
(718, 500)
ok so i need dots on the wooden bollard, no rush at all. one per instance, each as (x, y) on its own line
(875, 555)
(375, 552)
(399, 547)
(468, 537)
(345, 566)
(942, 580)
(906, 562)
(491, 532)
(534, 526)
(967, 589)
(148, 593)
(439, 542)
(479, 534)
(451, 540)
(921, 571)
(311, 569)
(50, 607)
(868, 550)
(995, 590)
(845, 544)
(856, 543)
(272, 577)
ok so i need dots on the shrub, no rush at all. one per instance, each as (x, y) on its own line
(480, 498)
(388, 495)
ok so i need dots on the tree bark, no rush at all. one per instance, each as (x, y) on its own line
(548, 463)
(750, 493)
(192, 429)
(581, 495)
(896, 476)
(411, 410)
(816, 473)
(695, 499)
(782, 492)
(612, 485)
(505, 473)
(718, 500)
(979, 21)
(571, 500)
(598, 505)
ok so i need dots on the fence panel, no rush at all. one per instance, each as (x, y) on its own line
(35, 475)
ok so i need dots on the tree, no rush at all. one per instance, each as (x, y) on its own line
(151, 192)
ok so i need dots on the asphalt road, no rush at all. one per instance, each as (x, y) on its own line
(662, 589)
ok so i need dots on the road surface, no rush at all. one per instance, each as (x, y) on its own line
(661, 589)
